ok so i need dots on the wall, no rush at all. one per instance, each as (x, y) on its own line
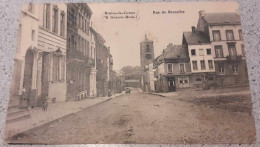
(198, 58)
(224, 41)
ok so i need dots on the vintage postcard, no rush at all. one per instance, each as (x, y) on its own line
(130, 73)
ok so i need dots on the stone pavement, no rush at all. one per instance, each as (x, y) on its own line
(54, 112)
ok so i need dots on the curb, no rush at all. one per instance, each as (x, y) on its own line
(14, 137)
(155, 94)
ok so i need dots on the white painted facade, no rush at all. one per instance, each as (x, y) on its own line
(151, 77)
(49, 42)
(223, 42)
(93, 78)
(201, 54)
(26, 40)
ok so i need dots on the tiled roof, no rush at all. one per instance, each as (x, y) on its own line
(174, 52)
(196, 37)
(222, 18)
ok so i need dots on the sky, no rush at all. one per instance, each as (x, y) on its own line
(123, 36)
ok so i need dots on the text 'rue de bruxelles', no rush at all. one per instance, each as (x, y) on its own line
(169, 12)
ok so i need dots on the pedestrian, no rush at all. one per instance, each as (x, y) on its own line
(45, 104)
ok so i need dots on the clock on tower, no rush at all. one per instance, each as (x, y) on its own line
(146, 52)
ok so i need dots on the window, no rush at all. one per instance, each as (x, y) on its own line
(221, 68)
(56, 68)
(147, 49)
(30, 7)
(148, 56)
(230, 35)
(210, 64)
(55, 20)
(87, 48)
(216, 35)
(194, 65)
(46, 16)
(33, 35)
(240, 34)
(243, 50)
(182, 70)
(235, 69)
(87, 25)
(201, 52)
(183, 80)
(82, 23)
(79, 21)
(232, 50)
(69, 42)
(202, 64)
(193, 52)
(82, 45)
(62, 24)
(219, 51)
(71, 45)
(170, 68)
(208, 51)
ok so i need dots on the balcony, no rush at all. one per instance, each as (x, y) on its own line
(75, 55)
(234, 58)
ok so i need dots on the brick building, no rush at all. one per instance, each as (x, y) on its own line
(102, 61)
(80, 55)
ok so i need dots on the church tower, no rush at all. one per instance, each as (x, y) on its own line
(147, 56)
(146, 52)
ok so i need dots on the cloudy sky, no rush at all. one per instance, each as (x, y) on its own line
(123, 36)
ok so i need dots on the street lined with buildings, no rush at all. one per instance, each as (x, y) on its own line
(211, 55)
(144, 118)
(65, 88)
(60, 57)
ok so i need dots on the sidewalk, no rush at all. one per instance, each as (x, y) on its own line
(168, 94)
(54, 112)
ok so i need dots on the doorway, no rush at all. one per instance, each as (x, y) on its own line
(27, 81)
(172, 85)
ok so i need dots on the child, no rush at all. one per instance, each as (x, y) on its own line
(45, 104)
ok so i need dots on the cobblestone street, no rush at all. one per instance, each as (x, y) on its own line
(144, 118)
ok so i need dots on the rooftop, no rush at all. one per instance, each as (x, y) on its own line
(174, 52)
(196, 37)
(222, 18)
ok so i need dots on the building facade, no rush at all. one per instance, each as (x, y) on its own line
(93, 74)
(201, 58)
(102, 63)
(80, 55)
(41, 54)
(26, 52)
(226, 38)
(172, 69)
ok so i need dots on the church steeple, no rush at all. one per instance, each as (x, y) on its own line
(146, 39)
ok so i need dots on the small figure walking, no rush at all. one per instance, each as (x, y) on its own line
(45, 104)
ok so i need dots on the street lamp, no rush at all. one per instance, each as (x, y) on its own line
(58, 52)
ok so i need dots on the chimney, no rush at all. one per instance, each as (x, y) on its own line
(170, 45)
(202, 13)
(193, 29)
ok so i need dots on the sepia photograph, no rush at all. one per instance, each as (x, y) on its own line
(130, 73)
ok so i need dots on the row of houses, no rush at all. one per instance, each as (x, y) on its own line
(211, 54)
(60, 56)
